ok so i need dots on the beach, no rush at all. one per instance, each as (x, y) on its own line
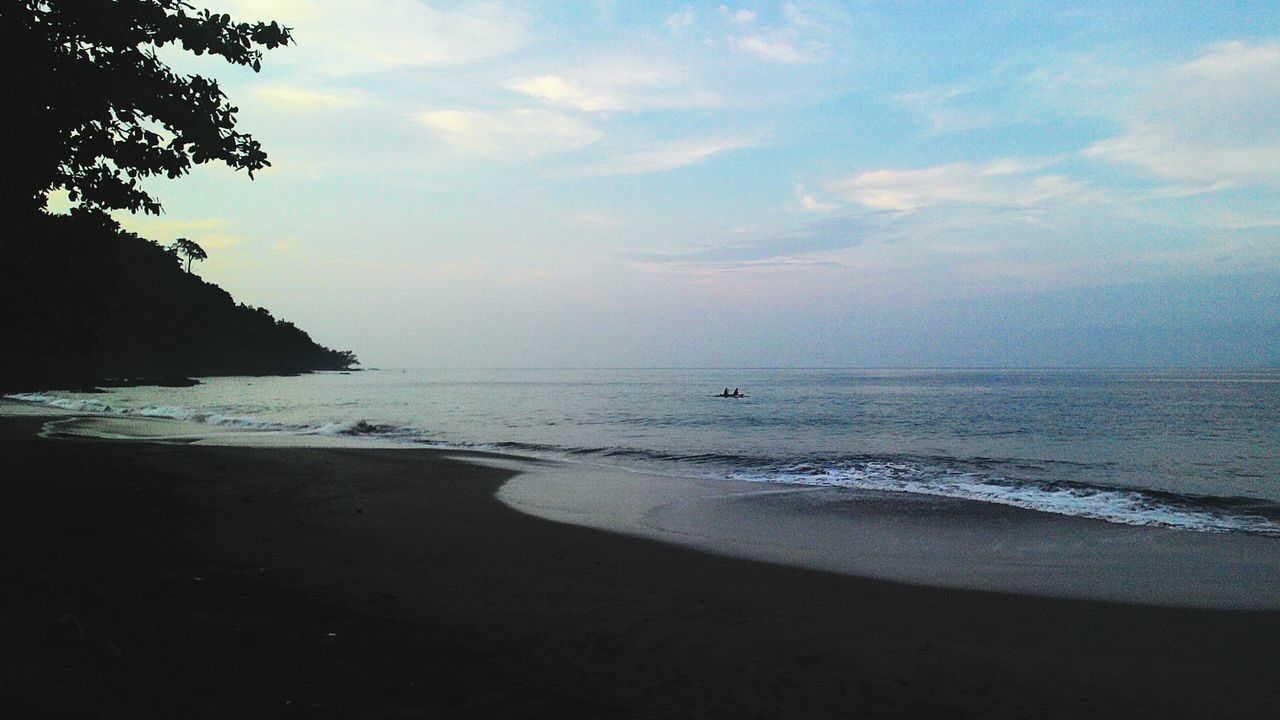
(628, 360)
(177, 579)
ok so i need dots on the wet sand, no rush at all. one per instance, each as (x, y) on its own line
(179, 580)
(913, 538)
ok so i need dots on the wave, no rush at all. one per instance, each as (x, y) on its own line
(71, 404)
(628, 453)
(1127, 506)
(353, 428)
(167, 412)
(363, 428)
(932, 476)
(975, 479)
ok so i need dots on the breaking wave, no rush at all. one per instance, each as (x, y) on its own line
(353, 428)
(1118, 505)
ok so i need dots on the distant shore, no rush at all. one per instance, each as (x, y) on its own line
(178, 580)
(95, 383)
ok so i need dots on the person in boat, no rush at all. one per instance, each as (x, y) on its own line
(725, 393)
(735, 393)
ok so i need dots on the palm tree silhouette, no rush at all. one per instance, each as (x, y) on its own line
(189, 250)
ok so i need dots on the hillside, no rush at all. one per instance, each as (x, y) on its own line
(85, 302)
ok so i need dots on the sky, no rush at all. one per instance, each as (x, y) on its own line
(841, 184)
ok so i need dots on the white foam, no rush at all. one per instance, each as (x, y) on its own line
(70, 404)
(219, 427)
(202, 416)
(170, 412)
(1110, 504)
(347, 427)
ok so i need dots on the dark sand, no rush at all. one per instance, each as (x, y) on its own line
(152, 580)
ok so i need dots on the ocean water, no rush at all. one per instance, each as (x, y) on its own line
(1194, 450)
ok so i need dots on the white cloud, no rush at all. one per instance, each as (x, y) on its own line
(1013, 166)
(796, 16)
(1002, 183)
(155, 226)
(679, 20)
(1168, 192)
(779, 50)
(1167, 153)
(672, 155)
(339, 37)
(1210, 120)
(297, 97)
(810, 202)
(615, 84)
(946, 109)
(211, 233)
(510, 135)
(557, 90)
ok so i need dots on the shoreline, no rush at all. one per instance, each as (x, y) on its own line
(1171, 493)
(228, 581)
(916, 539)
(921, 540)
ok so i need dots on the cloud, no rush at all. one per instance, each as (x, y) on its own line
(741, 17)
(1001, 183)
(782, 248)
(951, 109)
(1210, 120)
(797, 16)
(617, 84)
(1178, 191)
(510, 135)
(779, 50)
(1168, 154)
(152, 224)
(339, 37)
(811, 202)
(209, 232)
(302, 98)
(799, 39)
(672, 155)
(796, 38)
(557, 90)
(678, 21)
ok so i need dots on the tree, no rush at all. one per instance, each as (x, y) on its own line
(188, 249)
(96, 110)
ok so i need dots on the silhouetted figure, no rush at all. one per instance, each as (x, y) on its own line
(736, 393)
(725, 393)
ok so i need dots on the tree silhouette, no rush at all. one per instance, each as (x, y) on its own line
(93, 111)
(96, 110)
(188, 249)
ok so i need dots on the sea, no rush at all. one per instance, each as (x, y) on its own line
(1190, 449)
